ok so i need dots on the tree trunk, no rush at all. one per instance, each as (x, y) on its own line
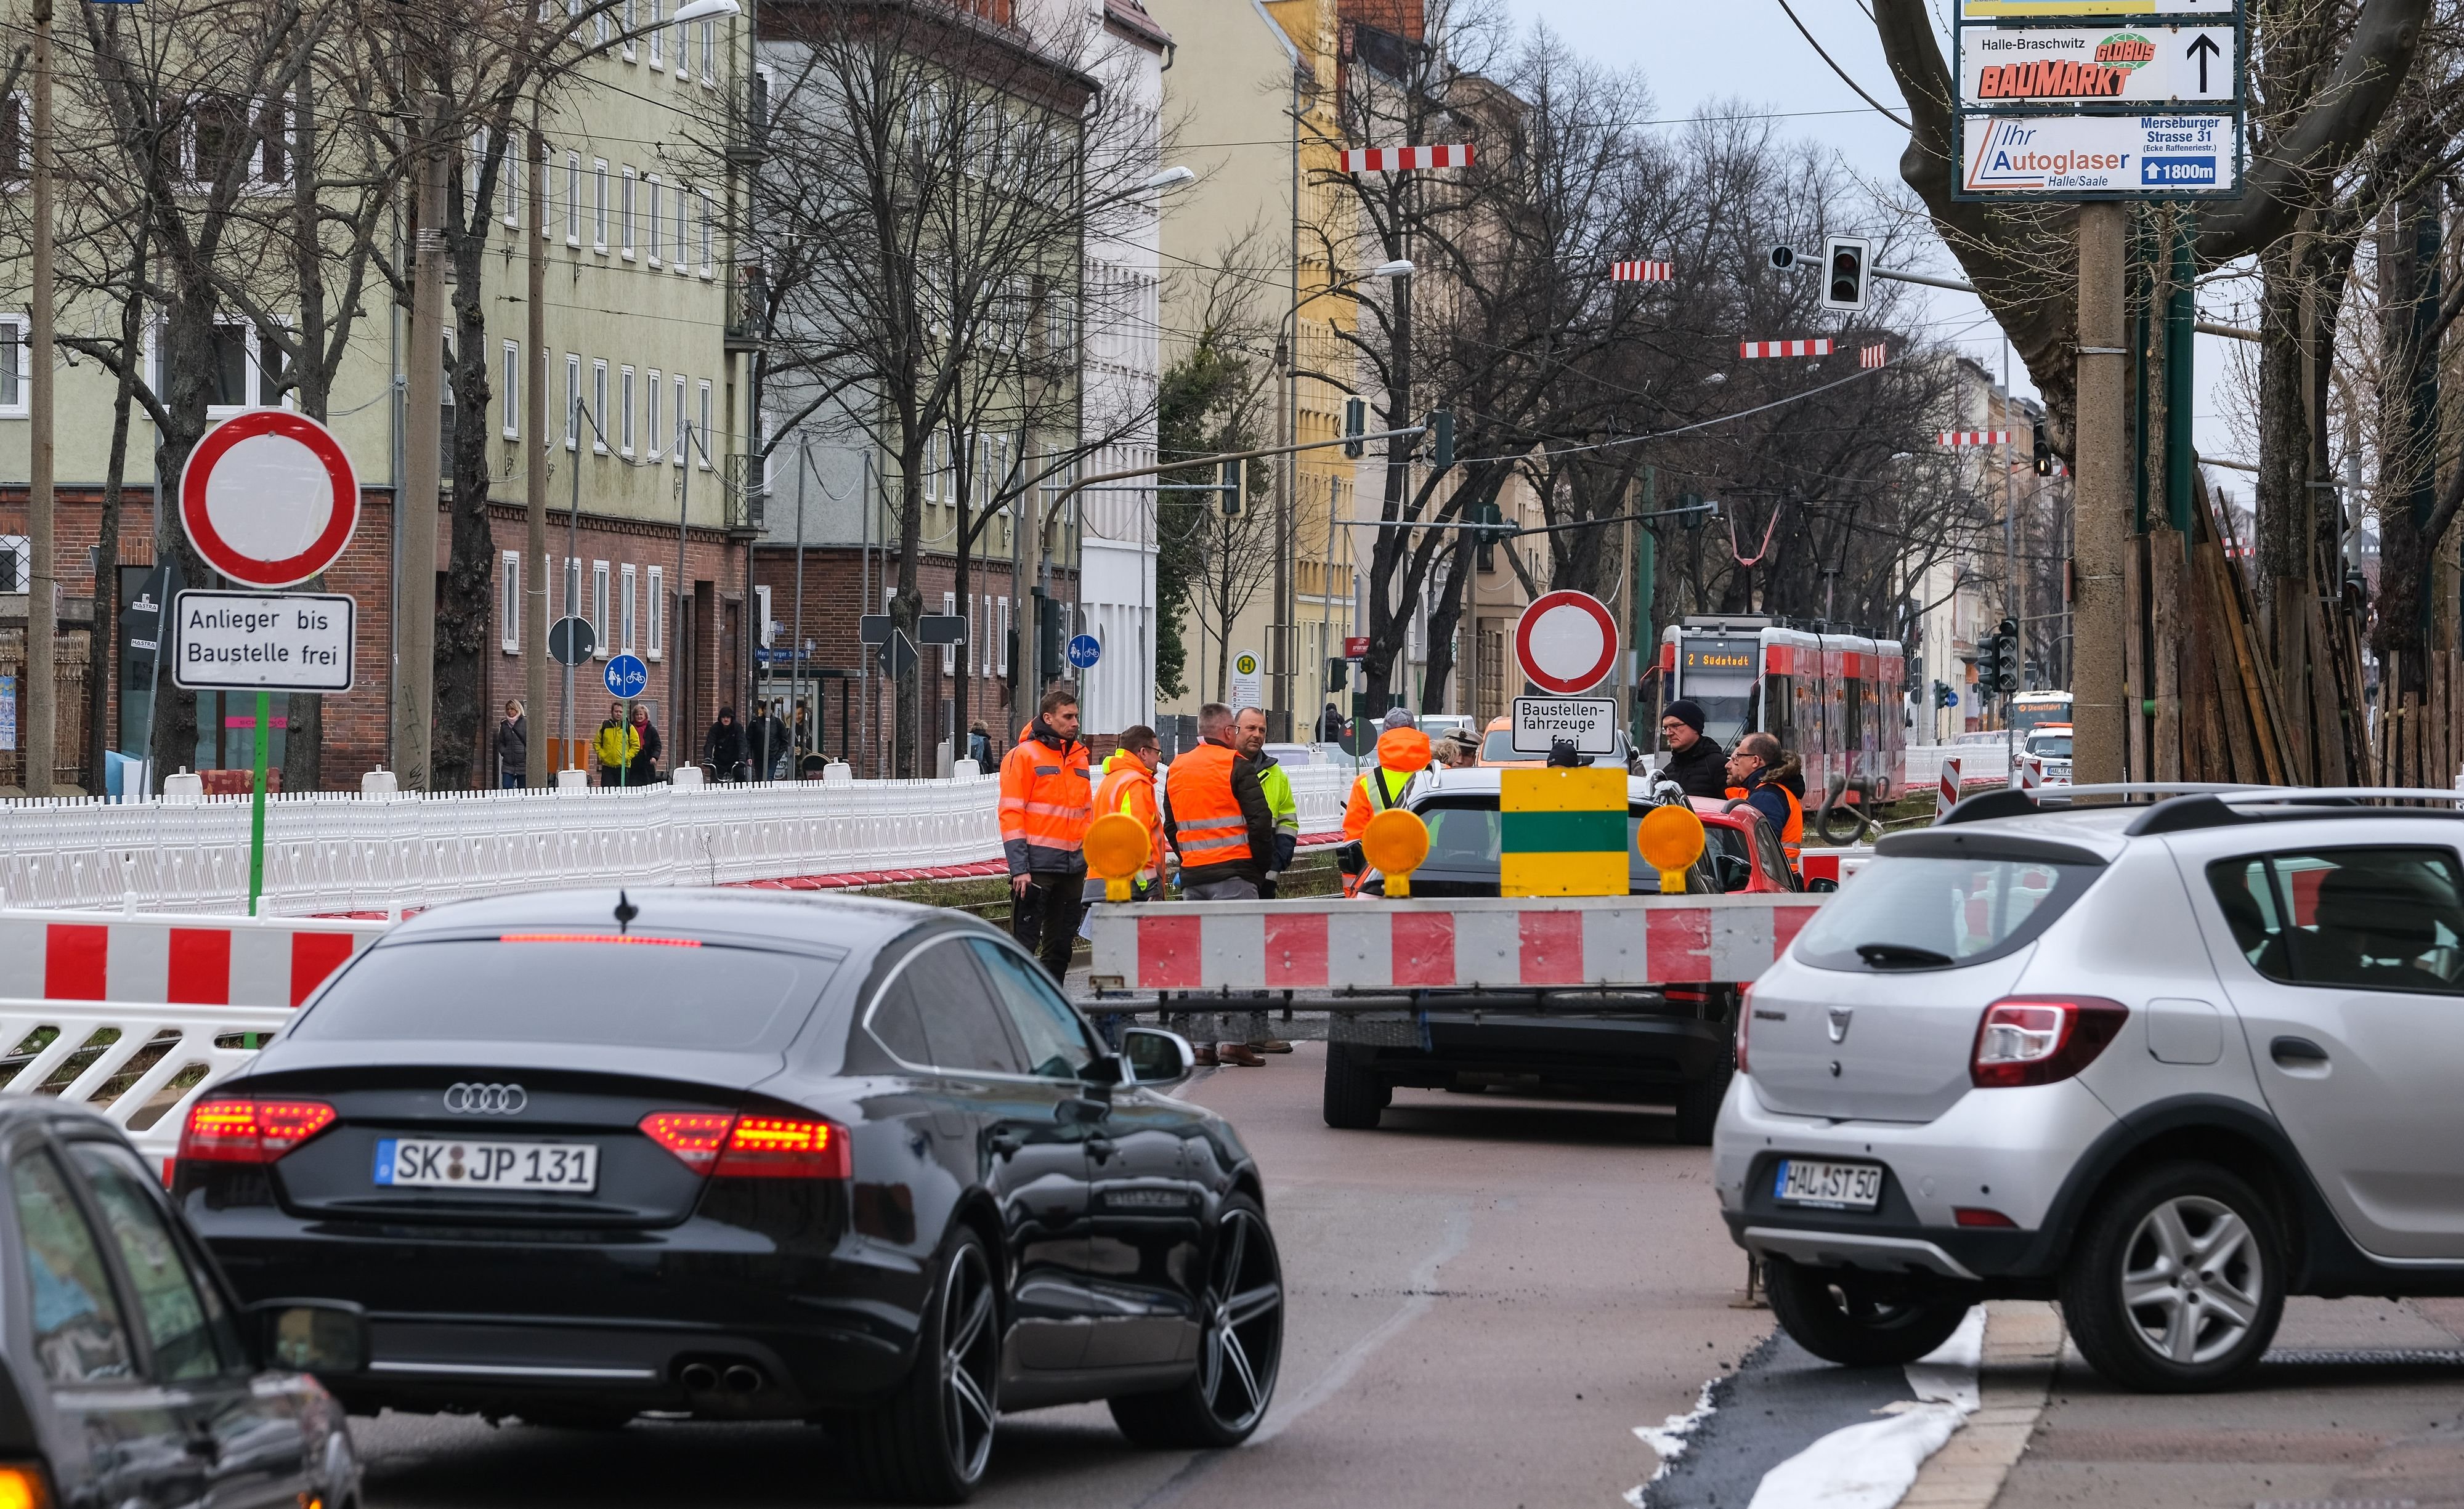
(188, 364)
(2408, 408)
(463, 607)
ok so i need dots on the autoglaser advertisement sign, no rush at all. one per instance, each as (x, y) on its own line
(2142, 102)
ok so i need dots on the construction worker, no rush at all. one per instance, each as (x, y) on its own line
(1215, 812)
(1250, 738)
(1129, 785)
(1758, 773)
(1402, 753)
(1046, 805)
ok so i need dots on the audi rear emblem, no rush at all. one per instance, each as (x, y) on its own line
(485, 1100)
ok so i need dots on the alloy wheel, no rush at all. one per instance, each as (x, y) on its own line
(1244, 1322)
(970, 1360)
(2191, 1278)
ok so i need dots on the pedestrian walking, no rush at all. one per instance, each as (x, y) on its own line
(1402, 753)
(723, 747)
(1045, 804)
(513, 749)
(615, 746)
(1215, 812)
(765, 741)
(801, 737)
(1758, 774)
(644, 770)
(1695, 760)
(980, 745)
(1330, 726)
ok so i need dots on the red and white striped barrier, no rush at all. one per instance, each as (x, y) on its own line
(1834, 865)
(1873, 356)
(1480, 943)
(1642, 273)
(1964, 438)
(171, 960)
(1755, 350)
(1394, 159)
(1947, 793)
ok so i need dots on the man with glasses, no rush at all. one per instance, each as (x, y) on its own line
(1696, 763)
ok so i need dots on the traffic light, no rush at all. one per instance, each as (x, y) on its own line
(1690, 512)
(1355, 424)
(1338, 673)
(1492, 520)
(1944, 696)
(2006, 657)
(1441, 438)
(1228, 481)
(2045, 453)
(1846, 266)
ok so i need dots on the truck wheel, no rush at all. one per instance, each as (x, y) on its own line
(1839, 1315)
(1698, 1109)
(1354, 1094)
(2177, 1282)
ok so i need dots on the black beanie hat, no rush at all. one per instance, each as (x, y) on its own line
(1686, 712)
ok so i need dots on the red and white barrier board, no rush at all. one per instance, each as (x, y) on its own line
(1402, 159)
(1834, 865)
(174, 960)
(1758, 350)
(1491, 943)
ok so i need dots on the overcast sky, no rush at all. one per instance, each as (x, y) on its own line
(1702, 52)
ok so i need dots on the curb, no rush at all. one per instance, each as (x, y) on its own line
(2023, 1342)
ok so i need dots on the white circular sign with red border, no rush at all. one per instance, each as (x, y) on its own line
(269, 498)
(1566, 643)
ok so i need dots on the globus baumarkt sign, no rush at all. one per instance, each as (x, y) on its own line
(2140, 66)
(2098, 156)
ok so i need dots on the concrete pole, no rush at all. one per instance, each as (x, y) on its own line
(42, 597)
(535, 603)
(2102, 510)
(414, 710)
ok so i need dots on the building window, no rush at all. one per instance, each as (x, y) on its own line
(16, 129)
(599, 406)
(702, 434)
(512, 391)
(949, 652)
(709, 37)
(701, 212)
(509, 178)
(629, 29)
(651, 241)
(573, 199)
(654, 636)
(15, 574)
(627, 621)
(624, 216)
(651, 413)
(684, 432)
(683, 193)
(572, 402)
(599, 204)
(625, 413)
(658, 33)
(17, 366)
(599, 605)
(510, 603)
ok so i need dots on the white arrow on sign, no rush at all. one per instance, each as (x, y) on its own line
(2147, 65)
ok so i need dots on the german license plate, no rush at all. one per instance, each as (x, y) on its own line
(440, 1163)
(1844, 1185)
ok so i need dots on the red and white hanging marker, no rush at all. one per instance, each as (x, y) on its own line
(1751, 350)
(1398, 158)
(1642, 273)
(1876, 355)
(1969, 439)
(269, 498)
(1566, 642)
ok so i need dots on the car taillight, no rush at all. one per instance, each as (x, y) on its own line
(1745, 1015)
(251, 1132)
(2030, 1041)
(728, 1147)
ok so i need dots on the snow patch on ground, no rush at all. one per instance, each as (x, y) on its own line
(1668, 1438)
(1871, 1466)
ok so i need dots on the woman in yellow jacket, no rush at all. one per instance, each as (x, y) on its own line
(615, 746)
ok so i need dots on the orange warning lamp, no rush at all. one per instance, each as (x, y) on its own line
(1116, 847)
(1670, 839)
(1395, 844)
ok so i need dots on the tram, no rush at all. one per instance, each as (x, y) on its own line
(1837, 701)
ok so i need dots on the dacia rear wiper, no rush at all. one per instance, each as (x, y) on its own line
(1899, 956)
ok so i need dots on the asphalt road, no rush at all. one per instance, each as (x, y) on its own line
(1488, 1296)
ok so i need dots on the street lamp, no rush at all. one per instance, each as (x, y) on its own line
(1399, 267)
(1169, 178)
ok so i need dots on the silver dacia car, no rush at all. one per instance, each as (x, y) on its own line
(2167, 1063)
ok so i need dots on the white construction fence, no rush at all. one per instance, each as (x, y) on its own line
(329, 853)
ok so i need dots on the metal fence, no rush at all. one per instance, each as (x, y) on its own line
(329, 852)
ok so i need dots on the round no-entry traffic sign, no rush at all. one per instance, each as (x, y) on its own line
(1566, 642)
(269, 497)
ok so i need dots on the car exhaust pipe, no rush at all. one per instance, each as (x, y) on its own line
(743, 1378)
(698, 1377)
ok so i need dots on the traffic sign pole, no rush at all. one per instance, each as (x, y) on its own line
(256, 814)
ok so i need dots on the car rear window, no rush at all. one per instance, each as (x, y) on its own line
(1915, 912)
(643, 992)
(2378, 919)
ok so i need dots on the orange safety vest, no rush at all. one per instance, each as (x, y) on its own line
(1129, 786)
(1045, 802)
(1401, 752)
(1792, 835)
(1208, 826)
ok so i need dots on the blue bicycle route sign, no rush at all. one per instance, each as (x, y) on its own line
(626, 676)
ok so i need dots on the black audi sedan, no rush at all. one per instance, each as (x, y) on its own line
(741, 1155)
(130, 1375)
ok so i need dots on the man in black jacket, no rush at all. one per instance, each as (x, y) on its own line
(1696, 763)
